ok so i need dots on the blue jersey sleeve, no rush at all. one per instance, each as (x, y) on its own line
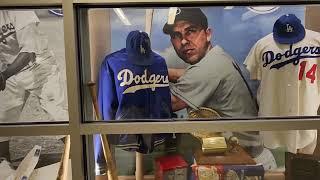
(107, 96)
(107, 99)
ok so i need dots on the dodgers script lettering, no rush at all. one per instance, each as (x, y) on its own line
(6, 31)
(141, 81)
(278, 60)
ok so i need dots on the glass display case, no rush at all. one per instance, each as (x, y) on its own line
(176, 89)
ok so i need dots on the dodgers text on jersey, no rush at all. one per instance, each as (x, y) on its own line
(291, 56)
(5, 31)
(141, 81)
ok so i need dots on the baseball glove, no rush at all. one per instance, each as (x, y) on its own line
(203, 112)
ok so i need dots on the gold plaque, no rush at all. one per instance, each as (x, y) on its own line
(214, 145)
(212, 142)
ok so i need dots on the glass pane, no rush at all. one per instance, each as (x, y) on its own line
(35, 157)
(125, 156)
(32, 66)
(198, 154)
(226, 62)
(251, 78)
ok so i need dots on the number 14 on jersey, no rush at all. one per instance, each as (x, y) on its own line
(310, 73)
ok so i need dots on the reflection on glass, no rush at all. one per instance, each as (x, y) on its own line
(32, 86)
(122, 16)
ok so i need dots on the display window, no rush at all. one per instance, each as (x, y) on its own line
(188, 63)
(160, 90)
(258, 84)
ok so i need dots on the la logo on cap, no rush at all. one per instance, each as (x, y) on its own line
(142, 50)
(289, 28)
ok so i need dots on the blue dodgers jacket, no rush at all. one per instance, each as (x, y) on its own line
(129, 91)
(132, 86)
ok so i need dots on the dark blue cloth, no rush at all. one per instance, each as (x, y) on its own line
(119, 97)
(288, 29)
(138, 47)
(131, 91)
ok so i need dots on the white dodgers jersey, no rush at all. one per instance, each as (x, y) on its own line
(13, 40)
(290, 85)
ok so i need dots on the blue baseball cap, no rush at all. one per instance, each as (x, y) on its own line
(138, 48)
(288, 29)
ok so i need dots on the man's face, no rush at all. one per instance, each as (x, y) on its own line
(190, 41)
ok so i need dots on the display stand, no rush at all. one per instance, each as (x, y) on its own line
(139, 156)
(239, 157)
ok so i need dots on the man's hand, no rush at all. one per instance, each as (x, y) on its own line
(175, 74)
(19, 63)
(177, 103)
(3, 80)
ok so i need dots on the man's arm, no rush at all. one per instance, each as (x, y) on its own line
(175, 74)
(26, 37)
(177, 104)
(20, 62)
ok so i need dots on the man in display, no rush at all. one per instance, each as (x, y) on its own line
(27, 66)
(212, 80)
